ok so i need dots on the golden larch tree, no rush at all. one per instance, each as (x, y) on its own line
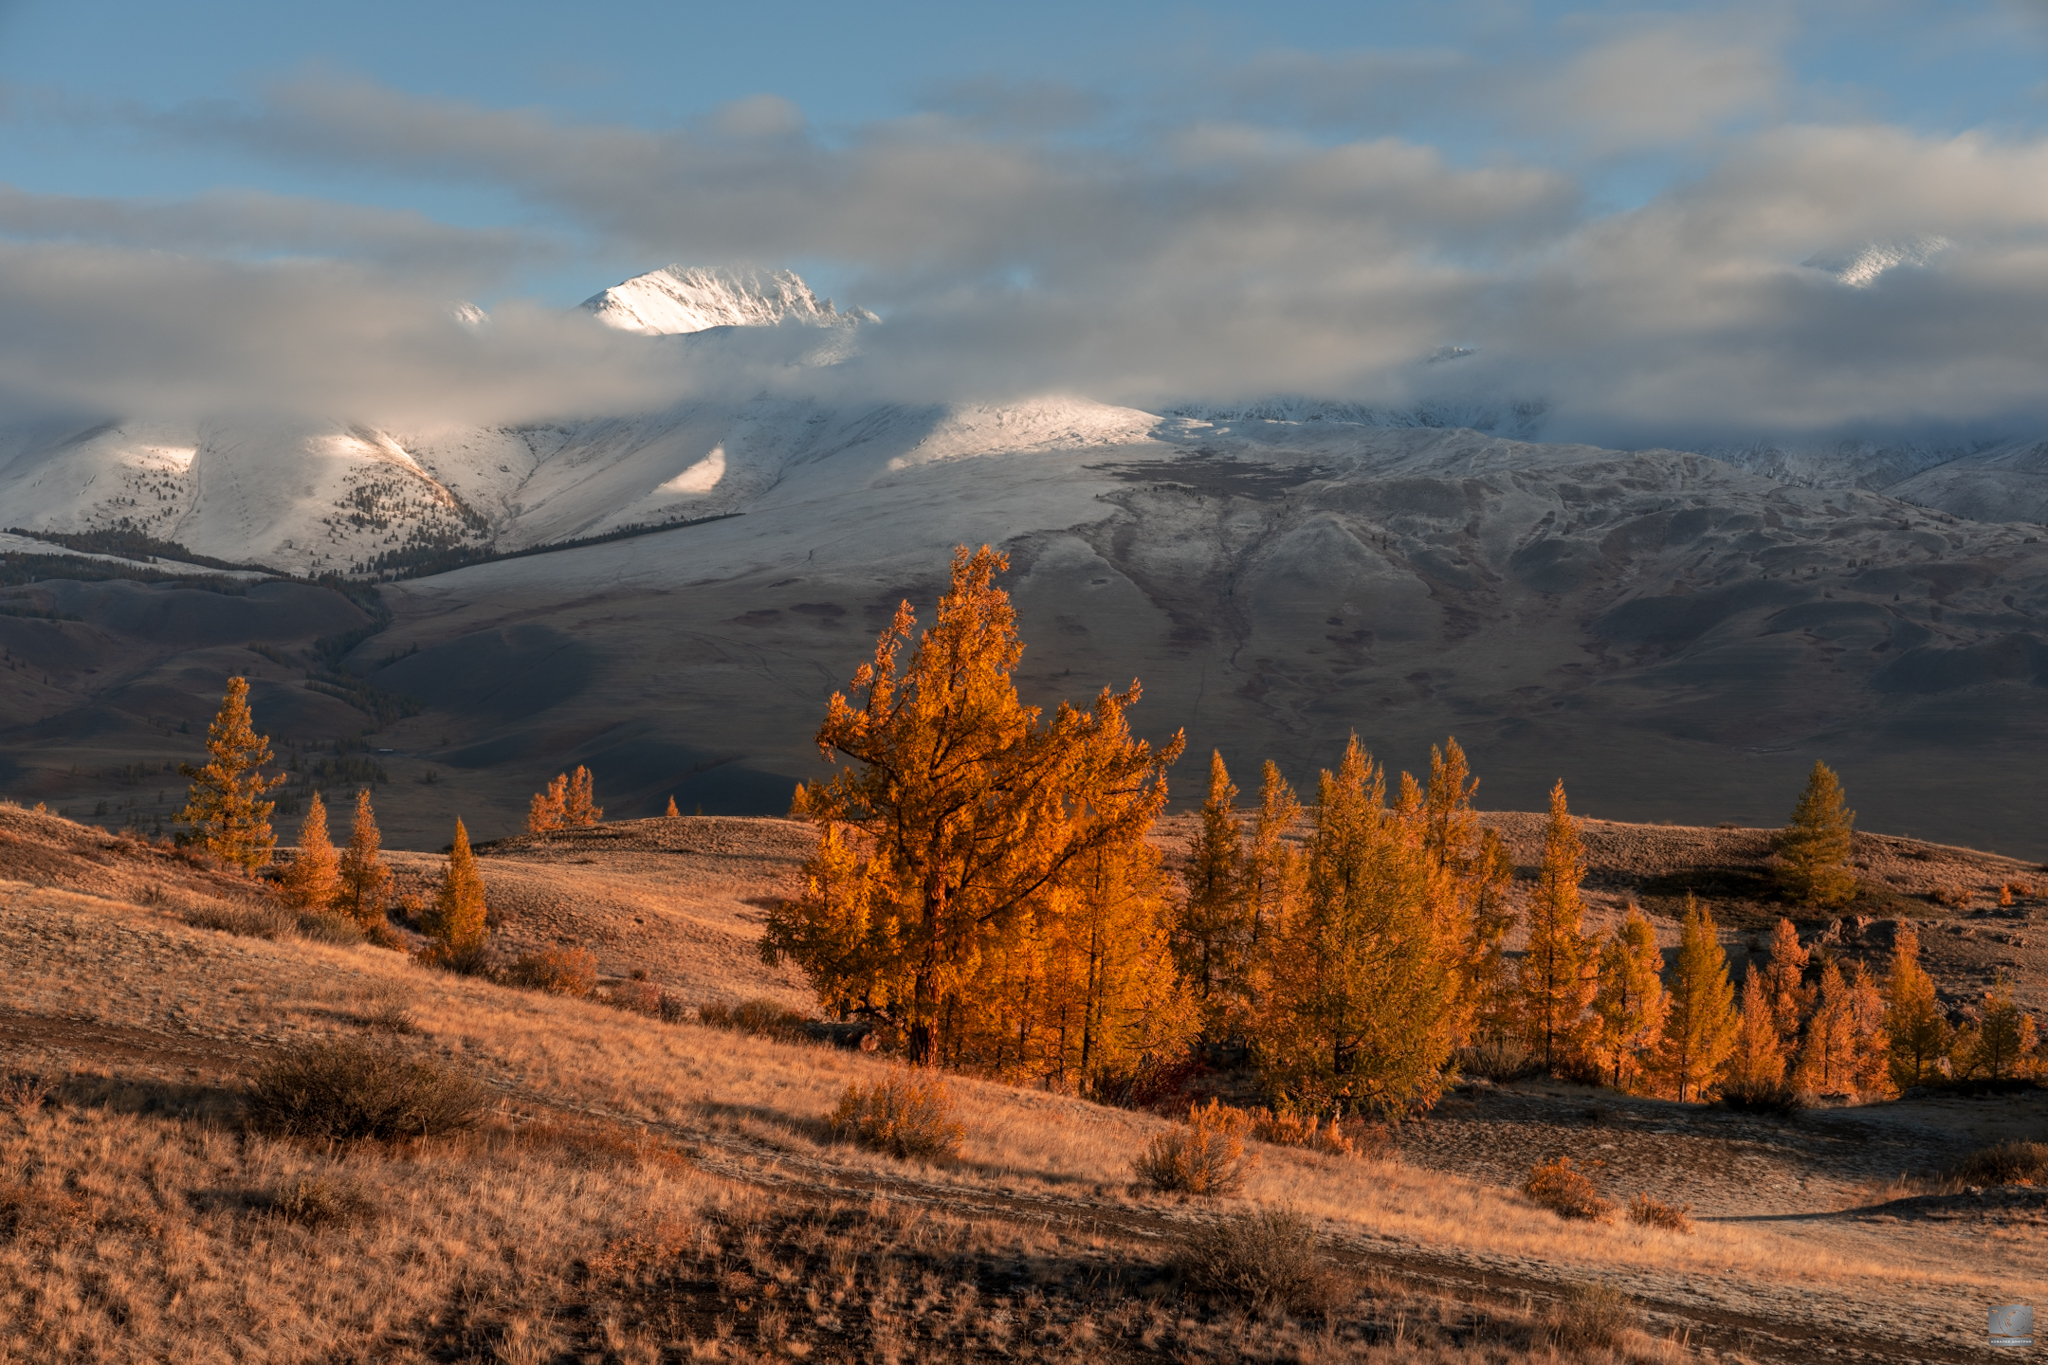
(1756, 1066)
(1629, 1002)
(1271, 880)
(967, 809)
(1916, 1031)
(1827, 1053)
(579, 800)
(1784, 983)
(1556, 976)
(225, 805)
(548, 809)
(365, 879)
(2005, 1036)
(314, 877)
(456, 919)
(1481, 874)
(1212, 938)
(1362, 1013)
(1813, 850)
(1699, 1024)
(672, 813)
(1868, 1047)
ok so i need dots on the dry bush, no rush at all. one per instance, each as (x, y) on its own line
(598, 1145)
(761, 1017)
(558, 971)
(1655, 1213)
(905, 1114)
(1497, 1061)
(38, 1216)
(323, 928)
(229, 917)
(317, 1201)
(641, 996)
(470, 960)
(1155, 1083)
(1205, 1155)
(1762, 1099)
(23, 1093)
(391, 1016)
(1332, 1138)
(340, 1091)
(2009, 1163)
(1591, 1316)
(1563, 1189)
(1263, 1259)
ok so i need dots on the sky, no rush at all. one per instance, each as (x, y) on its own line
(1811, 219)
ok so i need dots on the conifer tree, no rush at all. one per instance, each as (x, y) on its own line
(1916, 1031)
(1629, 1002)
(672, 813)
(225, 805)
(1699, 1026)
(2005, 1037)
(1827, 1054)
(969, 809)
(1756, 1067)
(456, 919)
(1813, 850)
(1481, 874)
(314, 877)
(1867, 1047)
(365, 880)
(548, 809)
(1557, 978)
(1363, 1015)
(1212, 935)
(1272, 870)
(579, 803)
(1784, 983)
(1495, 993)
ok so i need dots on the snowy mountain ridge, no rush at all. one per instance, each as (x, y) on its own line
(678, 299)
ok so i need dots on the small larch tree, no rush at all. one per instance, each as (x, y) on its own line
(1557, 976)
(1699, 1025)
(544, 814)
(314, 877)
(456, 918)
(1813, 850)
(1629, 1002)
(1827, 1053)
(2005, 1037)
(1756, 1066)
(225, 805)
(1212, 937)
(1915, 1028)
(579, 801)
(365, 886)
(1784, 983)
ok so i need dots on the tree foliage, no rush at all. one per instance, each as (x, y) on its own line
(1917, 1032)
(456, 918)
(1699, 1025)
(568, 802)
(225, 805)
(1556, 977)
(1813, 850)
(365, 879)
(1629, 1002)
(314, 878)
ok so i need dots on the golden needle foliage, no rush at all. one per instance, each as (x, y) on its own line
(225, 805)
(1813, 850)
(365, 879)
(1699, 1025)
(567, 803)
(1630, 1002)
(1557, 972)
(456, 918)
(314, 877)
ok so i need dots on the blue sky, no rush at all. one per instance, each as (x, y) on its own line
(1344, 187)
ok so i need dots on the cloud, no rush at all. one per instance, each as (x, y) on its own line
(1667, 81)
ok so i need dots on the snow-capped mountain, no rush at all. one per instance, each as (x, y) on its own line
(679, 299)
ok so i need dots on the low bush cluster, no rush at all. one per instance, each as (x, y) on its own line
(1559, 1185)
(1204, 1155)
(1590, 1317)
(1265, 1260)
(906, 1114)
(1332, 1136)
(761, 1017)
(317, 1201)
(558, 971)
(340, 1091)
(1655, 1213)
(2009, 1163)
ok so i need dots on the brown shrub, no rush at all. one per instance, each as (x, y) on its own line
(1563, 1189)
(318, 1200)
(1205, 1155)
(1654, 1213)
(230, 917)
(761, 1017)
(1264, 1259)
(597, 1145)
(1331, 1138)
(558, 971)
(906, 1114)
(342, 1091)
(2009, 1163)
(1591, 1316)
(37, 1215)
(470, 959)
(392, 1016)
(23, 1093)
(1778, 1098)
(1498, 1061)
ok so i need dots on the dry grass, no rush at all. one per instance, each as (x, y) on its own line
(1559, 1185)
(339, 1091)
(1592, 1315)
(2008, 1163)
(1266, 1260)
(1329, 1136)
(1655, 1213)
(905, 1114)
(1203, 1156)
(761, 1017)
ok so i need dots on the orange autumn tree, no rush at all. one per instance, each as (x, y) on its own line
(225, 806)
(964, 829)
(567, 803)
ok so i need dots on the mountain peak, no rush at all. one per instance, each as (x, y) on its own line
(681, 298)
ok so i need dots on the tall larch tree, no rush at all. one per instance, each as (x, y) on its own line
(968, 809)
(1699, 1025)
(1869, 1048)
(456, 920)
(365, 879)
(1362, 1016)
(1557, 971)
(2005, 1036)
(1629, 1002)
(1756, 1066)
(1827, 1052)
(1784, 983)
(225, 805)
(1271, 880)
(1481, 873)
(579, 801)
(314, 877)
(1212, 937)
(546, 812)
(1813, 850)
(1915, 1028)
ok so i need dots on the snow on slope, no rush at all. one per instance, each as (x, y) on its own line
(694, 299)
